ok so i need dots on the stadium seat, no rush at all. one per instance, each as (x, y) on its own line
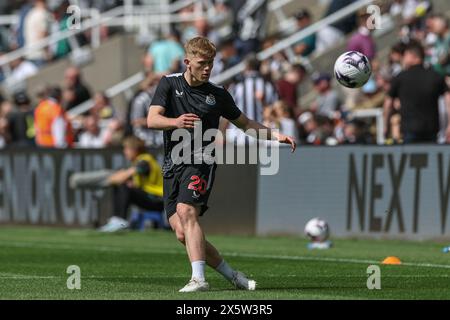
(139, 219)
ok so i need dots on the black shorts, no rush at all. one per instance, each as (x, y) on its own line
(190, 184)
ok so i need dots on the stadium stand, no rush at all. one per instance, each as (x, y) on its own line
(109, 34)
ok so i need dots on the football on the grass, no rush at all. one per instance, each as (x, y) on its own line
(317, 230)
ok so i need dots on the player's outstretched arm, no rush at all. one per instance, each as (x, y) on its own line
(157, 120)
(244, 123)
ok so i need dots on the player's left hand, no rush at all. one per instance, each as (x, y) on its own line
(287, 140)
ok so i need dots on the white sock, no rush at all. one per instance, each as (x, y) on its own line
(198, 269)
(224, 269)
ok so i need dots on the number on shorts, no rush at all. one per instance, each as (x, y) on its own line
(198, 184)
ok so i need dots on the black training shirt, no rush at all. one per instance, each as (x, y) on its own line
(208, 101)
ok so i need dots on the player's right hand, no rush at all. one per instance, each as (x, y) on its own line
(186, 121)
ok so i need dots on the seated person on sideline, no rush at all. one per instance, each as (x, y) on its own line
(140, 185)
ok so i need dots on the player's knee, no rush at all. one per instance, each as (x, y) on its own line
(177, 228)
(187, 213)
(180, 236)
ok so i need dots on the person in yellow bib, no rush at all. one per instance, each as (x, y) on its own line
(141, 184)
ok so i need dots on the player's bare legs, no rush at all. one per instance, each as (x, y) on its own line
(193, 233)
(213, 258)
(194, 241)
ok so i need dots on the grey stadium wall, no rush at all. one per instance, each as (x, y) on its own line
(374, 191)
(365, 191)
(34, 189)
(34, 186)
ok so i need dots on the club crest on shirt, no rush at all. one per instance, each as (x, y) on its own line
(210, 99)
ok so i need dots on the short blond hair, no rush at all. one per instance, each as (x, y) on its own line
(200, 46)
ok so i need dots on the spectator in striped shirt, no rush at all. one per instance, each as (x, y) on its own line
(251, 94)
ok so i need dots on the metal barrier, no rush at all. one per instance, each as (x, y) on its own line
(54, 38)
(122, 16)
(9, 19)
(376, 113)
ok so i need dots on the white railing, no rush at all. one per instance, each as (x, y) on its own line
(145, 18)
(9, 19)
(284, 23)
(376, 113)
(54, 38)
(116, 16)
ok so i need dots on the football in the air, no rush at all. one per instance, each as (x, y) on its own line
(352, 69)
(317, 230)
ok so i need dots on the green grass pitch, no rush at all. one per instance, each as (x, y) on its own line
(153, 265)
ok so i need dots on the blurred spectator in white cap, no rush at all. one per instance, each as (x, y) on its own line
(308, 127)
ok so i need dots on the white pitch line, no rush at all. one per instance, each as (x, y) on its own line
(16, 276)
(304, 258)
(234, 254)
(328, 259)
(8, 275)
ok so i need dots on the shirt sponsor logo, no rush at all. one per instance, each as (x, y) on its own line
(210, 99)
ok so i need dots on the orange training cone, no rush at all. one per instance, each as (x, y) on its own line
(391, 260)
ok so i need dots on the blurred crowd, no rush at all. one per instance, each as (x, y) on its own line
(268, 91)
(37, 20)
